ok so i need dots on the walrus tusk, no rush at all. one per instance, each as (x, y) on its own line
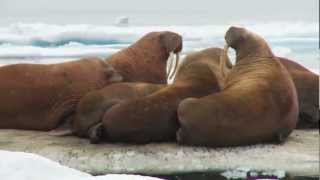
(175, 66)
(223, 61)
(170, 60)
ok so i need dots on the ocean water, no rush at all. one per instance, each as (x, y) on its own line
(52, 43)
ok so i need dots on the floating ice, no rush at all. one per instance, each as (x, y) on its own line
(297, 41)
(26, 166)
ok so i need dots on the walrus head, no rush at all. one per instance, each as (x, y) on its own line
(247, 43)
(172, 42)
(146, 60)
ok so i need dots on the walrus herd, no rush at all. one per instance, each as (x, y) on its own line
(262, 98)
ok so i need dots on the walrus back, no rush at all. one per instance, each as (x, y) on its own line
(36, 97)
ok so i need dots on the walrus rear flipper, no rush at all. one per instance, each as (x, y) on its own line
(64, 129)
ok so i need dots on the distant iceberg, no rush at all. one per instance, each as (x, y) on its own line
(50, 35)
(122, 21)
(297, 40)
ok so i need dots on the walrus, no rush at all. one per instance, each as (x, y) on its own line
(307, 86)
(258, 103)
(93, 105)
(153, 118)
(41, 97)
(146, 60)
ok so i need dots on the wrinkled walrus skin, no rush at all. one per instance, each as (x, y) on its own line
(258, 103)
(93, 105)
(154, 118)
(41, 97)
(307, 85)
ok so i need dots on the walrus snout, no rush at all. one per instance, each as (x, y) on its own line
(234, 36)
(171, 41)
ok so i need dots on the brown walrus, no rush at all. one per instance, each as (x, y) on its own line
(257, 104)
(146, 60)
(307, 85)
(40, 97)
(154, 118)
(93, 105)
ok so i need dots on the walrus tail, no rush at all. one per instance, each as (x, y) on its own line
(224, 61)
(175, 66)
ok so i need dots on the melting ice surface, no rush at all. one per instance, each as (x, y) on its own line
(49, 43)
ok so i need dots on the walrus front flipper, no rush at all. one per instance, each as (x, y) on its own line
(309, 117)
(282, 136)
(95, 133)
(64, 129)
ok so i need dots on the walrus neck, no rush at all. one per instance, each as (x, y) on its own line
(253, 49)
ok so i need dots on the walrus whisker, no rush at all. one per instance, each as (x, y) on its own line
(175, 66)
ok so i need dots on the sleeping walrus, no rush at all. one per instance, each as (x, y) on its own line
(153, 118)
(40, 97)
(307, 85)
(257, 104)
(92, 106)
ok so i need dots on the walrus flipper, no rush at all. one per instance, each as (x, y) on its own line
(96, 133)
(64, 129)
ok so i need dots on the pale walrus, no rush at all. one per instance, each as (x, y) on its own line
(307, 85)
(154, 118)
(257, 104)
(40, 97)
